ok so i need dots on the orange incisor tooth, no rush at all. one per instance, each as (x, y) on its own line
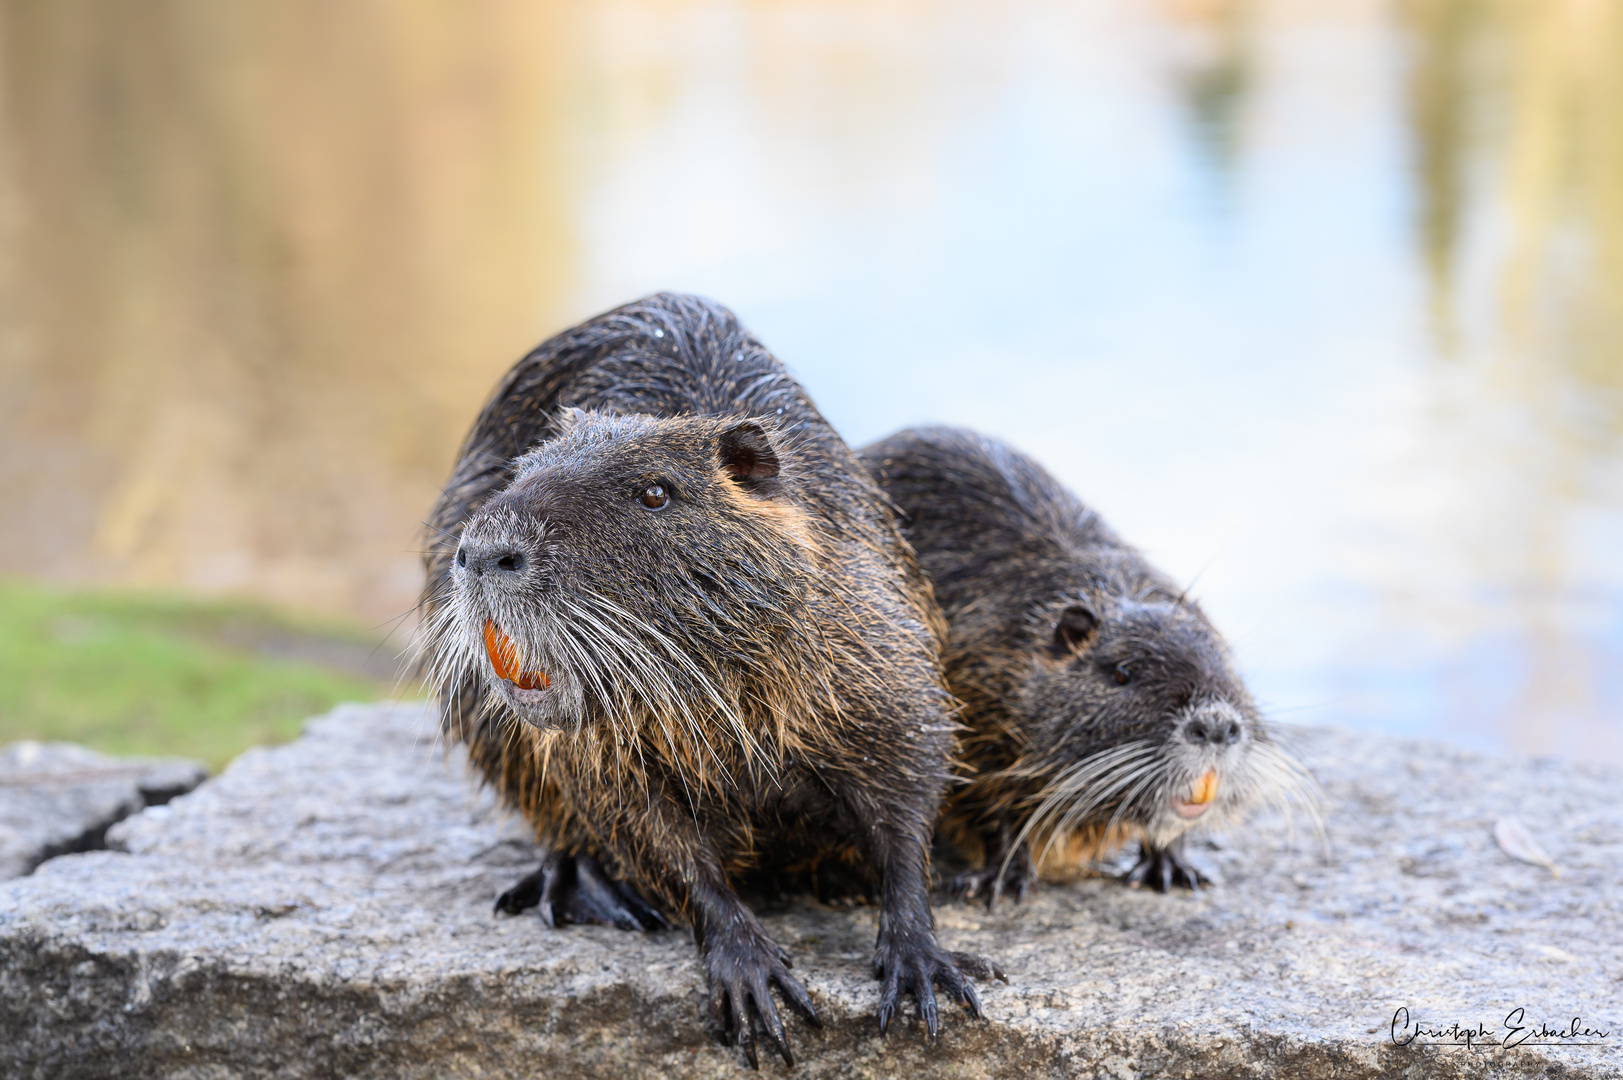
(504, 658)
(1205, 788)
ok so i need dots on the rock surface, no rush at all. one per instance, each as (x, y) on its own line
(324, 909)
(57, 798)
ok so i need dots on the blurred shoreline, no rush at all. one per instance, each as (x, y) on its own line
(1318, 301)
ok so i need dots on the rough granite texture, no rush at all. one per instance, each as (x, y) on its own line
(324, 909)
(57, 798)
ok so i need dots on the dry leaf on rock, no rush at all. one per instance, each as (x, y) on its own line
(1516, 840)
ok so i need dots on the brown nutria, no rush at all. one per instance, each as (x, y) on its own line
(672, 619)
(1101, 702)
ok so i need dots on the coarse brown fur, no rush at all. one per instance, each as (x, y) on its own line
(740, 677)
(1096, 693)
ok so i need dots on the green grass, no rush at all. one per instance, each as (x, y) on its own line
(131, 673)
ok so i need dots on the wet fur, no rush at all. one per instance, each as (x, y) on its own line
(742, 681)
(1063, 764)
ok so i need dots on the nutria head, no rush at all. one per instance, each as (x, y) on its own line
(635, 569)
(1130, 708)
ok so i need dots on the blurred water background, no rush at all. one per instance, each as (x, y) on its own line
(1320, 302)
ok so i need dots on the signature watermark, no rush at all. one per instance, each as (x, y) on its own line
(1517, 1030)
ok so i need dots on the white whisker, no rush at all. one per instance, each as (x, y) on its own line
(1105, 769)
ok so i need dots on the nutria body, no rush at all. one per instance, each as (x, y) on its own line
(1101, 703)
(673, 621)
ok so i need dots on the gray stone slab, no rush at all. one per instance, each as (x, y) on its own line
(323, 909)
(57, 798)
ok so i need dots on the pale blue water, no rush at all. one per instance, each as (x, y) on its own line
(1232, 350)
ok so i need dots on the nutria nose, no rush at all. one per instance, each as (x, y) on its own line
(480, 558)
(1217, 730)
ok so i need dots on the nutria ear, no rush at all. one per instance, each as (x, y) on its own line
(747, 454)
(1074, 629)
(565, 419)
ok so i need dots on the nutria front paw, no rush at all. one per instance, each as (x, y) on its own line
(996, 879)
(575, 889)
(1164, 868)
(918, 965)
(743, 968)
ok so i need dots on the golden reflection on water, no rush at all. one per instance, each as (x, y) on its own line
(262, 261)
(265, 260)
(1517, 110)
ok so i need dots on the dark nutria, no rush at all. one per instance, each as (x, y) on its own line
(673, 621)
(1101, 703)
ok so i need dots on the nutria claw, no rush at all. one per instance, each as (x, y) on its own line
(742, 973)
(917, 967)
(575, 889)
(995, 879)
(979, 967)
(1164, 868)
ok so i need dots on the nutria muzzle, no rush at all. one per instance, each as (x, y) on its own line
(1215, 724)
(506, 563)
(1152, 780)
(1209, 773)
(500, 553)
(499, 581)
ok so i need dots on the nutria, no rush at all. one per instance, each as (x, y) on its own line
(1102, 704)
(672, 620)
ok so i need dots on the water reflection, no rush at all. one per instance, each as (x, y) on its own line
(1216, 79)
(1516, 114)
(1319, 300)
(264, 262)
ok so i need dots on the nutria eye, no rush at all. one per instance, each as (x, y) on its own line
(1121, 675)
(654, 497)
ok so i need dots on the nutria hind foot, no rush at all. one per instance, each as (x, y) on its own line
(996, 879)
(743, 967)
(917, 965)
(575, 889)
(1164, 868)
